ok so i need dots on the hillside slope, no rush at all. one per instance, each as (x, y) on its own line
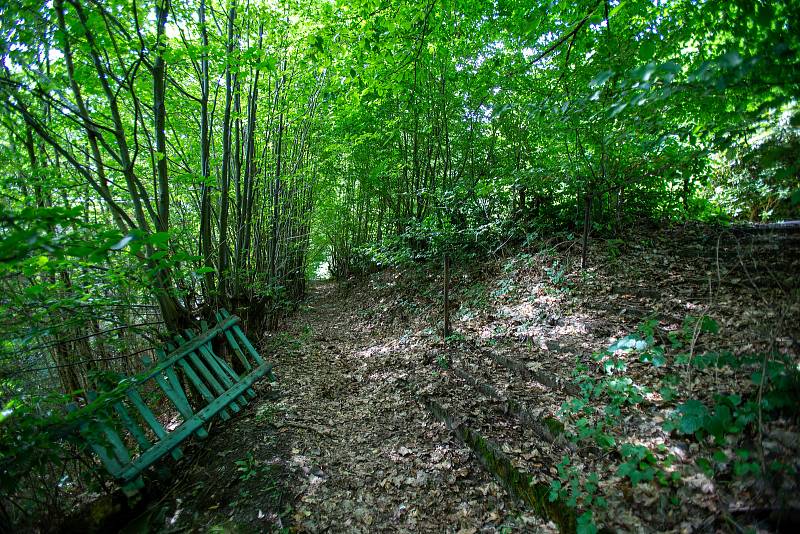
(346, 440)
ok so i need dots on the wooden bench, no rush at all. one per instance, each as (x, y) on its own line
(123, 430)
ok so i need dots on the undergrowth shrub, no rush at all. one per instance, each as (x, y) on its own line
(726, 426)
(45, 469)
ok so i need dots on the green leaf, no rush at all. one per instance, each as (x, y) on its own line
(654, 356)
(601, 79)
(585, 524)
(81, 251)
(614, 11)
(709, 325)
(705, 465)
(605, 441)
(555, 488)
(119, 245)
(730, 60)
(35, 289)
(158, 238)
(647, 49)
(694, 413)
(667, 393)
(626, 344)
(643, 474)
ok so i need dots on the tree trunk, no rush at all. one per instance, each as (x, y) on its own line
(226, 158)
(587, 220)
(159, 117)
(206, 245)
(446, 332)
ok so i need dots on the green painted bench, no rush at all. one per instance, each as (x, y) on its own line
(122, 428)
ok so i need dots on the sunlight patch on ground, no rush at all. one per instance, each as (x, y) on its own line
(373, 350)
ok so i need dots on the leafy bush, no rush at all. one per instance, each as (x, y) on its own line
(762, 183)
(44, 467)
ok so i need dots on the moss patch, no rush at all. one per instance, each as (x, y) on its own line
(555, 426)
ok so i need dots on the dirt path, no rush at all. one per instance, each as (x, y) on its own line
(367, 455)
(343, 442)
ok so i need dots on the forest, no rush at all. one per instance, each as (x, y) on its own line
(431, 265)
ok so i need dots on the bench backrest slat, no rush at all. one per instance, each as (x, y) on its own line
(132, 426)
(238, 351)
(120, 419)
(155, 452)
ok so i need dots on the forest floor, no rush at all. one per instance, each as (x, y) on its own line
(345, 441)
